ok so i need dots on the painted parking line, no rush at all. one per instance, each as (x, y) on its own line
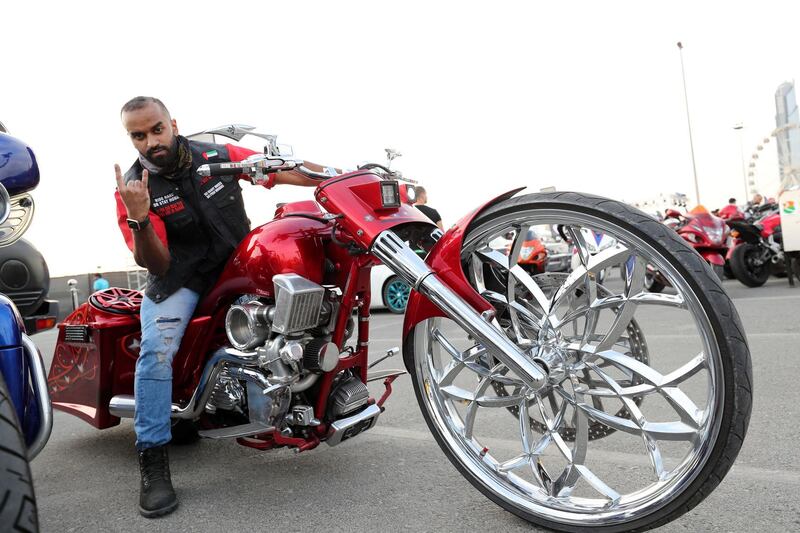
(766, 298)
(657, 336)
(752, 473)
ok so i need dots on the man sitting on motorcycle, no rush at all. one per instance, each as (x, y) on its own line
(181, 227)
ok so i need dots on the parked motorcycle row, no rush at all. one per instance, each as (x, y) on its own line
(746, 246)
(528, 359)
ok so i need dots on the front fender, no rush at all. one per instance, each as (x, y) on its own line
(12, 357)
(713, 257)
(445, 261)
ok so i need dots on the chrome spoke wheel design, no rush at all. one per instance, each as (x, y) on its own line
(620, 429)
(634, 345)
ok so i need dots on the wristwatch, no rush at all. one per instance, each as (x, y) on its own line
(135, 225)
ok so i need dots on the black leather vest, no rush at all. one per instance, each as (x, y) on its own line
(204, 218)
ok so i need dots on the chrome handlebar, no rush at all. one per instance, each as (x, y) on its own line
(258, 166)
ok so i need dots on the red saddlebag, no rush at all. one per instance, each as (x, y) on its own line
(95, 356)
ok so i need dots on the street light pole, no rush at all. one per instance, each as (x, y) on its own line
(740, 127)
(689, 122)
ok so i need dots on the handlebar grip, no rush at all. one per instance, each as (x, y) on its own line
(220, 169)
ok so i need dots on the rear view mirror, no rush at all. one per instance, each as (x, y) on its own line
(285, 150)
(19, 171)
(672, 213)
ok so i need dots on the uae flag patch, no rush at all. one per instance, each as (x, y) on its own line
(208, 155)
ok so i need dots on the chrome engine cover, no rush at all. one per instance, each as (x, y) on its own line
(348, 396)
(228, 394)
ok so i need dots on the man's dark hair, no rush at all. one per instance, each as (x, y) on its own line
(98, 275)
(139, 102)
(731, 200)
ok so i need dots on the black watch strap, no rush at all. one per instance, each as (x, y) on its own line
(138, 226)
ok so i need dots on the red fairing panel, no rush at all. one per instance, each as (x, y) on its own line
(357, 196)
(769, 224)
(445, 260)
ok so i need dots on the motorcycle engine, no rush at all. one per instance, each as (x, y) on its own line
(291, 341)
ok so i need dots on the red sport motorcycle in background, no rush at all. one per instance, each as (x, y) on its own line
(706, 233)
(541, 389)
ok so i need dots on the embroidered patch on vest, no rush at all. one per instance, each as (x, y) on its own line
(208, 155)
(168, 204)
(214, 189)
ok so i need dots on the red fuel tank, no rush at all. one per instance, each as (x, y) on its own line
(294, 243)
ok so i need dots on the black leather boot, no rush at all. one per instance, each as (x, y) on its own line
(157, 496)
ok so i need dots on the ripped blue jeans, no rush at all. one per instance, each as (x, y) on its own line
(163, 325)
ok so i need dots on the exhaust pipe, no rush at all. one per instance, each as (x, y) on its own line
(404, 262)
(124, 405)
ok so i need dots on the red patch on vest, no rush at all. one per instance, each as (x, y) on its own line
(170, 209)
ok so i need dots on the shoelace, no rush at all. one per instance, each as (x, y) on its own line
(154, 468)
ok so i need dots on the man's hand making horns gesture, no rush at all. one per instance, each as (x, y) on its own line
(135, 195)
(148, 250)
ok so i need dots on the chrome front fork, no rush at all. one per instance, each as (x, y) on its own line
(42, 395)
(404, 262)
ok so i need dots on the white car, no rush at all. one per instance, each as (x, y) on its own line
(388, 290)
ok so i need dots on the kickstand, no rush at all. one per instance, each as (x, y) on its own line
(788, 261)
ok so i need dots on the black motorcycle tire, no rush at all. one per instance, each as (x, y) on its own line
(728, 331)
(727, 269)
(745, 272)
(17, 499)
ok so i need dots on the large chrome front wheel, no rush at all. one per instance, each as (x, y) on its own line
(648, 396)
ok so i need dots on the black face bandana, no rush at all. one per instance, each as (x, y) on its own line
(180, 159)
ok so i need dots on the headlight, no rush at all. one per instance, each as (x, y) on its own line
(715, 234)
(390, 194)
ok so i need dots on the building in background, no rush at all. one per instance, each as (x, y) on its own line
(657, 204)
(787, 135)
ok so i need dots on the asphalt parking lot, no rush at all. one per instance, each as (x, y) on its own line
(394, 476)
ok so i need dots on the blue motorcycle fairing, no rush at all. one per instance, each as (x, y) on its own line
(11, 324)
(19, 171)
(14, 367)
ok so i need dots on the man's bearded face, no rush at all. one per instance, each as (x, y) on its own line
(153, 133)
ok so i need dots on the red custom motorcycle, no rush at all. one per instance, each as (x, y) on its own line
(540, 388)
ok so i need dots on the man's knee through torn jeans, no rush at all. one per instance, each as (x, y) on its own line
(163, 326)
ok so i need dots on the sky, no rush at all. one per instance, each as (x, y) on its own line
(480, 97)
